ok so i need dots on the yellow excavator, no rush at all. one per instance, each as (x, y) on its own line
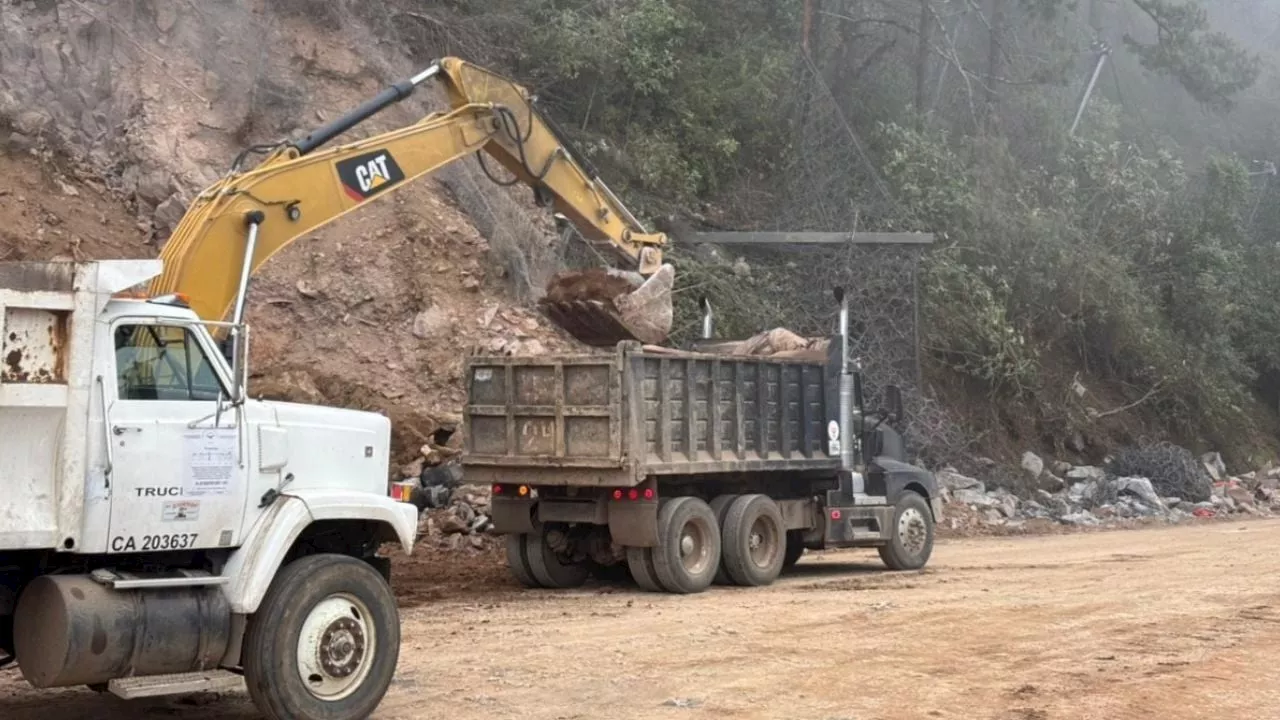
(239, 222)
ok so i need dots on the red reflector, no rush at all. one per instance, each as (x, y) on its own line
(648, 493)
(633, 494)
(617, 494)
(835, 514)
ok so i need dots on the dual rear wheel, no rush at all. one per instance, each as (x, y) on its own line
(734, 540)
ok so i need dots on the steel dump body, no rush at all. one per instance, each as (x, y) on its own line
(613, 420)
(47, 316)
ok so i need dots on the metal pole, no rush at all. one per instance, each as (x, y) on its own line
(254, 220)
(1103, 52)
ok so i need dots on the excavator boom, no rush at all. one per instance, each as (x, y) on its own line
(241, 221)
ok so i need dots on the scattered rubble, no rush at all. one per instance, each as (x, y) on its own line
(1096, 496)
(454, 515)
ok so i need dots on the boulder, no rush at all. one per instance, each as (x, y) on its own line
(432, 323)
(1032, 464)
(953, 481)
(1140, 488)
(1086, 472)
(1213, 463)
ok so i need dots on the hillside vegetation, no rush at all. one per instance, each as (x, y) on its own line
(1111, 285)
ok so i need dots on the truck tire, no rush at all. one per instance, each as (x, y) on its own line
(720, 506)
(640, 563)
(324, 642)
(911, 541)
(688, 552)
(518, 561)
(795, 549)
(547, 566)
(754, 541)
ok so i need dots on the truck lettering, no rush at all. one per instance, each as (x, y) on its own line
(537, 428)
(177, 541)
(158, 491)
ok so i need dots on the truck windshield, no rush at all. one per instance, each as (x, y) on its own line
(162, 362)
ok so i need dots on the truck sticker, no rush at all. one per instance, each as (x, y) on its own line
(181, 511)
(148, 543)
(484, 374)
(209, 456)
(833, 447)
(833, 430)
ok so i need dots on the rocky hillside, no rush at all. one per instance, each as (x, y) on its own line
(116, 114)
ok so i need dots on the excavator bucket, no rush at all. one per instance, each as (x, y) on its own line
(602, 307)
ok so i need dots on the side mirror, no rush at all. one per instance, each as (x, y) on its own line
(893, 403)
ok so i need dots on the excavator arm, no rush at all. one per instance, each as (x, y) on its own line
(242, 220)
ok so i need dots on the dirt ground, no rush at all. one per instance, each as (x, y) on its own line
(1179, 622)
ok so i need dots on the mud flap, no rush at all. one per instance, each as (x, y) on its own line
(511, 516)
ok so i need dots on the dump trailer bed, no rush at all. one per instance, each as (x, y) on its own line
(613, 420)
(661, 459)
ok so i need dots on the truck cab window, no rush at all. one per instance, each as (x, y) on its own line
(162, 362)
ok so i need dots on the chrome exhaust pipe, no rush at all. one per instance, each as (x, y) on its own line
(708, 320)
(849, 382)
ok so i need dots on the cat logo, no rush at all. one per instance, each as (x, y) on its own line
(369, 174)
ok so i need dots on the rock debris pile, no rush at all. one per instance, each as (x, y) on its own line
(454, 515)
(1156, 483)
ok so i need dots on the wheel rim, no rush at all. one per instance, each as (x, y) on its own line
(336, 647)
(913, 532)
(762, 542)
(695, 547)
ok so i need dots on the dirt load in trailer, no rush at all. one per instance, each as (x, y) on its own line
(692, 467)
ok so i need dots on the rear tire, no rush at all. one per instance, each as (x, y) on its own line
(688, 552)
(911, 542)
(324, 642)
(548, 568)
(755, 541)
(518, 561)
(720, 506)
(640, 563)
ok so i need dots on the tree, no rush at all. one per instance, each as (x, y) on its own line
(1209, 65)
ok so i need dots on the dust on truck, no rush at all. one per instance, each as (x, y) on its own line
(691, 468)
(162, 533)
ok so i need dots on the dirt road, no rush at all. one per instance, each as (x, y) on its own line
(1168, 623)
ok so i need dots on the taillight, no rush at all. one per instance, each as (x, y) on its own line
(497, 489)
(524, 490)
(402, 491)
(634, 494)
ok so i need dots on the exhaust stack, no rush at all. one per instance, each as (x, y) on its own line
(708, 320)
(850, 396)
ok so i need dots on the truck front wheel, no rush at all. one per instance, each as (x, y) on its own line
(911, 539)
(324, 642)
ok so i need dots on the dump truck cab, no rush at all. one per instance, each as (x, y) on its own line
(146, 493)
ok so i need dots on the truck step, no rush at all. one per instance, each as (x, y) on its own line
(177, 684)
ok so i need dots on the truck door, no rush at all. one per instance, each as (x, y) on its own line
(178, 479)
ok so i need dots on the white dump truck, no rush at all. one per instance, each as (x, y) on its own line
(162, 533)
